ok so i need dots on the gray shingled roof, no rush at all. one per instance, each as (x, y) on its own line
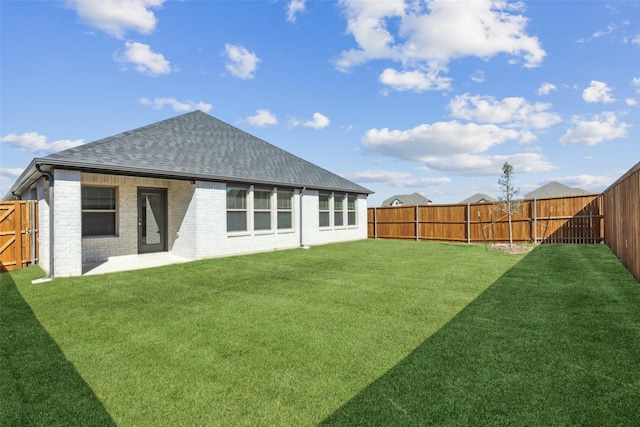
(555, 189)
(407, 199)
(477, 198)
(196, 145)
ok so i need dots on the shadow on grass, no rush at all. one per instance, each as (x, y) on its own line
(38, 386)
(554, 341)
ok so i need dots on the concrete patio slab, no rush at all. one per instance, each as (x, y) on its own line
(132, 262)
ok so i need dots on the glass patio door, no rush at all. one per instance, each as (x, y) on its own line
(152, 220)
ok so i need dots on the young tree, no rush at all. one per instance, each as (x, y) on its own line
(507, 201)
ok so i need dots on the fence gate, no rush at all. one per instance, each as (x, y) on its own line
(18, 234)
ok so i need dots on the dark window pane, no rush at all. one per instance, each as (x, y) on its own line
(103, 198)
(236, 221)
(324, 202)
(284, 200)
(324, 219)
(262, 200)
(338, 219)
(98, 223)
(262, 220)
(351, 218)
(351, 203)
(236, 199)
(337, 202)
(284, 220)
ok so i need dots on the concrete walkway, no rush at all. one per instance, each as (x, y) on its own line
(132, 262)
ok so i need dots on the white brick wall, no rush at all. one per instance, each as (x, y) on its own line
(67, 225)
(197, 226)
(42, 187)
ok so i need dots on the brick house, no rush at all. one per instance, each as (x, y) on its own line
(192, 186)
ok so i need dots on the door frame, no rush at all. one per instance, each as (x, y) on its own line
(164, 229)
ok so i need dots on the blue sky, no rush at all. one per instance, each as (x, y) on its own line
(398, 96)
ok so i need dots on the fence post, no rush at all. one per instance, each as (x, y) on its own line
(417, 223)
(468, 222)
(535, 220)
(375, 223)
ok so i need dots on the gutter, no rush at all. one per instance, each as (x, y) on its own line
(49, 177)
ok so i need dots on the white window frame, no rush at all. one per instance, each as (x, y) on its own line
(353, 211)
(289, 210)
(236, 209)
(268, 210)
(326, 211)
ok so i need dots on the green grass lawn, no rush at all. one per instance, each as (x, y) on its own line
(370, 333)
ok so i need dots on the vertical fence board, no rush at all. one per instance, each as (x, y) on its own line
(17, 234)
(621, 205)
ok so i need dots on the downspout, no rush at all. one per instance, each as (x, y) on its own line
(49, 177)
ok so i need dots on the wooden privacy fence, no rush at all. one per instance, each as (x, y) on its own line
(577, 219)
(622, 222)
(18, 234)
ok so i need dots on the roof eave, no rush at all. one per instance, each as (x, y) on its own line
(147, 173)
(25, 180)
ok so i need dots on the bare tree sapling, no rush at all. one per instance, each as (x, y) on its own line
(507, 201)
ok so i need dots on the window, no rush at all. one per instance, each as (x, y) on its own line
(324, 210)
(338, 210)
(285, 211)
(98, 211)
(262, 210)
(351, 210)
(236, 209)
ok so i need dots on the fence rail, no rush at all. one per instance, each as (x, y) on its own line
(622, 223)
(577, 219)
(18, 234)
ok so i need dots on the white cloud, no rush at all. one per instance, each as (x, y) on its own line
(453, 147)
(546, 88)
(262, 118)
(294, 8)
(472, 164)
(144, 59)
(428, 35)
(11, 172)
(396, 179)
(33, 141)
(319, 121)
(177, 106)
(603, 127)
(610, 29)
(636, 82)
(636, 39)
(587, 182)
(440, 139)
(597, 92)
(416, 80)
(240, 62)
(478, 76)
(631, 102)
(116, 17)
(514, 112)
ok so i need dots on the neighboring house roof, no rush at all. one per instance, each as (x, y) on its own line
(555, 189)
(477, 198)
(194, 145)
(406, 199)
